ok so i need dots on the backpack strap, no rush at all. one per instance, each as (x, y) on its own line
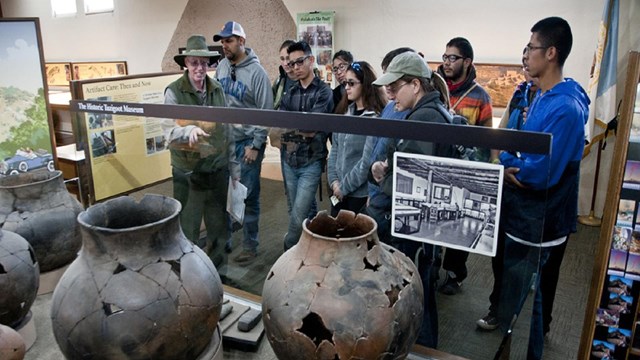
(453, 107)
(443, 111)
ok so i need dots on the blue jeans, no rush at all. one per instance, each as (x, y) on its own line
(520, 263)
(302, 184)
(423, 256)
(250, 177)
(313, 211)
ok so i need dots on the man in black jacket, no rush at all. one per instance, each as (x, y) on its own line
(303, 152)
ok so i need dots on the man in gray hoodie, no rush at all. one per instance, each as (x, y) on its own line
(246, 85)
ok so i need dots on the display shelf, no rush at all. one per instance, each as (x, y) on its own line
(612, 306)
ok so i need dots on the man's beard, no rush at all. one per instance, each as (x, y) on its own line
(456, 75)
(231, 56)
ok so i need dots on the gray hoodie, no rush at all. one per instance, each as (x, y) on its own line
(251, 89)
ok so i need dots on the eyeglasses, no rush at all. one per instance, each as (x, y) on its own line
(395, 89)
(233, 72)
(299, 61)
(350, 83)
(198, 63)
(451, 58)
(529, 48)
(340, 68)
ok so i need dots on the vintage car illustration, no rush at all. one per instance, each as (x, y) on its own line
(25, 160)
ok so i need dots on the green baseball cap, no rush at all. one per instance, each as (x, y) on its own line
(408, 63)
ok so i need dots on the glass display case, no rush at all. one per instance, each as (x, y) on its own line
(133, 165)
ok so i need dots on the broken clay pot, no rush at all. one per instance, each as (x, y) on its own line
(37, 206)
(341, 294)
(19, 278)
(138, 289)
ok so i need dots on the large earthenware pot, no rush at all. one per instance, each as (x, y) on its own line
(37, 206)
(138, 289)
(19, 278)
(12, 346)
(341, 294)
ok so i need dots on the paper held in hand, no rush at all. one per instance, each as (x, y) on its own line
(235, 201)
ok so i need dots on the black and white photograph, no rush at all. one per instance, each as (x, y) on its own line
(103, 143)
(449, 202)
(156, 144)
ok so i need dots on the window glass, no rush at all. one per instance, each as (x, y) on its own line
(98, 6)
(60, 8)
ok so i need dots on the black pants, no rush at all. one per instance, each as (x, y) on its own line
(456, 261)
(382, 216)
(355, 204)
(548, 280)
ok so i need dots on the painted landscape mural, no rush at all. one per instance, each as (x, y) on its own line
(25, 141)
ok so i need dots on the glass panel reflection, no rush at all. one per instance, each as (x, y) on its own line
(470, 217)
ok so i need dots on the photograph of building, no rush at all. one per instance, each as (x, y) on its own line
(448, 202)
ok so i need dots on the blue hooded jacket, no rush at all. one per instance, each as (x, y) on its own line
(562, 111)
(547, 209)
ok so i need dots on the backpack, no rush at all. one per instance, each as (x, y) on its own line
(456, 151)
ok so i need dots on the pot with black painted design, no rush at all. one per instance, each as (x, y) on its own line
(342, 294)
(139, 288)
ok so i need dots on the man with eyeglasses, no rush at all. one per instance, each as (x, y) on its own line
(246, 85)
(470, 100)
(540, 193)
(202, 153)
(303, 152)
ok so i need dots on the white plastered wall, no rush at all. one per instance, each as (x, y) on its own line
(138, 31)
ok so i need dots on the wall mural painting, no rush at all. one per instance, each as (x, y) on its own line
(25, 136)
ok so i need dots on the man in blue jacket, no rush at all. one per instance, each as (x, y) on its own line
(540, 195)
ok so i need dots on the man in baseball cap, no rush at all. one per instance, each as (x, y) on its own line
(246, 85)
(231, 28)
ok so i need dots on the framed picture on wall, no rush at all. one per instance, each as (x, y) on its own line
(58, 73)
(98, 69)
(26, 139)
(499, 80)
(317, 29)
